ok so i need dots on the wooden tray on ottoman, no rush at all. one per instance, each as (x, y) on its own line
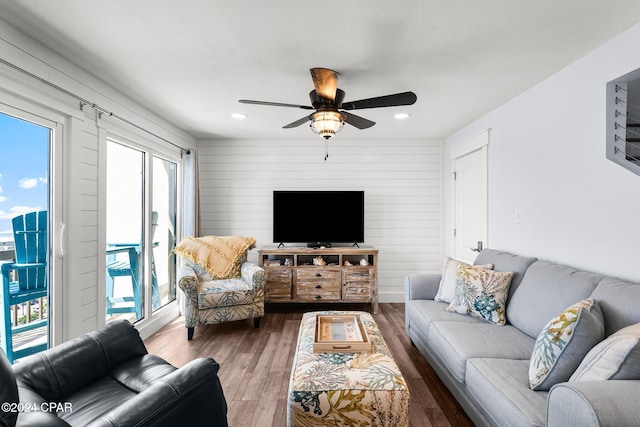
(340, 333)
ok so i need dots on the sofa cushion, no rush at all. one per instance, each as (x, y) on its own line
(616, 358)
(501, 387)
(505, 261)
(420, 314)
(618, 301)
(456, 342)
(448, 280)
(546, 290)
(481, 293)
(97, 399)
(140, 373)
(564, 342)
(431, 311)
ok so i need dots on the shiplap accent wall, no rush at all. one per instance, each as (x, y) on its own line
(401, 181)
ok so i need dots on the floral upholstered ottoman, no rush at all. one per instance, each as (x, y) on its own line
(346, 389)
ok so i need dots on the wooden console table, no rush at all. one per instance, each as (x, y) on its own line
(348, 275)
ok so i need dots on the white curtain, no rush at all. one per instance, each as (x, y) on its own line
(191, 217)
(191, 205)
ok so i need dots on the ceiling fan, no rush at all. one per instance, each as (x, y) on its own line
(328, 101)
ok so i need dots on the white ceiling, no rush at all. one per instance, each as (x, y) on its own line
(190, 61)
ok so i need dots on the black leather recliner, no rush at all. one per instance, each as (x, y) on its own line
(106, 378)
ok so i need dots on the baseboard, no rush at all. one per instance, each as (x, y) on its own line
(390, 296)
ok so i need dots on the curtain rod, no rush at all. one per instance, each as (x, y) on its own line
(89, 103)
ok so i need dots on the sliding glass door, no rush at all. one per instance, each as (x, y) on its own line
(164, 205)
(141, 230)
(125, 232)
(26, 212)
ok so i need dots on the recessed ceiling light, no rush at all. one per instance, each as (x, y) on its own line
(401, 116)
(239, 116)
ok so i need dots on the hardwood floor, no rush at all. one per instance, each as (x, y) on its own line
(255, 364)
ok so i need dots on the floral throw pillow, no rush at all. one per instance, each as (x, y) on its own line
(482, 293)
(564, 342)
(447, 287)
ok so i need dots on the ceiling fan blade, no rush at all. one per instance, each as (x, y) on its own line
(357, 121)
(297, 123)
(276, 104)
(325, 82)
(404, 98)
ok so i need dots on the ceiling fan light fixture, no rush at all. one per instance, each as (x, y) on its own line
(326, 123)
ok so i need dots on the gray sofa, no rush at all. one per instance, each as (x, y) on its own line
(485, 366)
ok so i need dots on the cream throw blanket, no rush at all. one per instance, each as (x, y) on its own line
(218, 255)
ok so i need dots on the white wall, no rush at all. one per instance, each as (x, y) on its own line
(401, 180)
(547, 159)
(79, 299)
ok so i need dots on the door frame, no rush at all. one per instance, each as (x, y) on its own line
(56, 196)
(478, 142)
(109, 130)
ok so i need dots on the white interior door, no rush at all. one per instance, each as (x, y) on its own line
(470, 205)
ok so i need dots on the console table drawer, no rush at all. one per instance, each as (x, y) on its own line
(315, 290)
(358, 274)
(318, 274)
(279, 275)
(278, 285)
(359, 291)
(278, 291)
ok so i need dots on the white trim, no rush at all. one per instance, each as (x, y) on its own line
(472, 144)
(478, 142)
(102, 227)
(143, 143)
(391, 297)
(160, 318)
(55, 203)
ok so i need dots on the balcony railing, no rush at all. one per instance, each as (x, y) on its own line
(27, 312)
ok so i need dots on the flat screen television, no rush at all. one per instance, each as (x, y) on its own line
(318, 218)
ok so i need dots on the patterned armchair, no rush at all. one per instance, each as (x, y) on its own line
(211, 300)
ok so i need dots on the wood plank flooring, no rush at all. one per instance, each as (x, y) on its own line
(255, 364)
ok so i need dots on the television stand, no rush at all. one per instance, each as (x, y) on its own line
(333, 275)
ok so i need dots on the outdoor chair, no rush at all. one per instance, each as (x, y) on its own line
(23, 281)
(129, 267)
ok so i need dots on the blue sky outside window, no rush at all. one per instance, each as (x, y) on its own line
(24, 155)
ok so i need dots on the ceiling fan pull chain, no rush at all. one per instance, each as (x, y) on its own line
(326, 149)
